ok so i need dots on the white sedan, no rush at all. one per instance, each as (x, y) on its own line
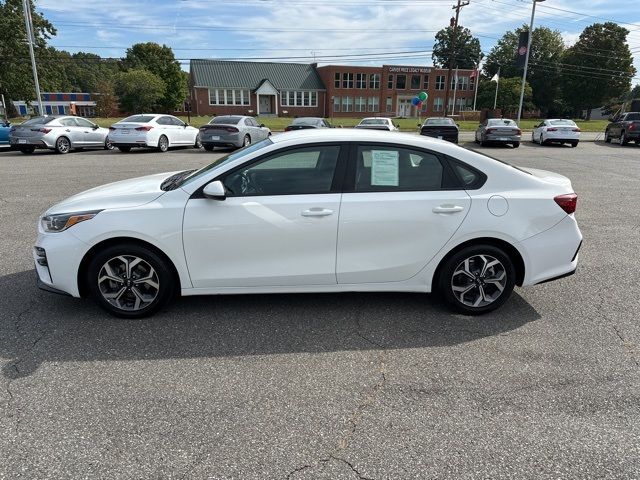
(378, 123)
(152, 131)
(556, 131)
(322, 210)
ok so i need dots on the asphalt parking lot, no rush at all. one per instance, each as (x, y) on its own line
(334, 386)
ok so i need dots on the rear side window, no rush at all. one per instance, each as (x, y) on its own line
(468, 177)
(68, 122)
(389, 168)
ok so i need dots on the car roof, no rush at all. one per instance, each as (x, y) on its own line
(362, 135)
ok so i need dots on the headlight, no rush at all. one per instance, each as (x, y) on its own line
(62, 221)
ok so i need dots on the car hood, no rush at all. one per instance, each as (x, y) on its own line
(124, 194)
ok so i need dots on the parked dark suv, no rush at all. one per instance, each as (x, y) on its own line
(626, 127)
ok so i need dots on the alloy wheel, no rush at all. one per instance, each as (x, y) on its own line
(478, 280)
(128, 282)
(163, 144)
(63, 145)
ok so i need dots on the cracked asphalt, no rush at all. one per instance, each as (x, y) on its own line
(324, 386)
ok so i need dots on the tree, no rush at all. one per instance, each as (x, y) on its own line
(85, 71)
(543, 73)
(160, 61)
(508, 94)
(106, 100)
(16, 79)
(597, 68)
(139, 90)
(467, 48)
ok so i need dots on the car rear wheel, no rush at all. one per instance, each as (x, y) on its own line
(198, 143)
(516, 144)
(543, 141)
(28, 149)
(163, 143)
(623, 139)
(607, 138)
(477, 279)
(247, 141)
(124, 149)
(108, 145)
(208, 148)
(63, 145)
(574, 144)
(130, 281)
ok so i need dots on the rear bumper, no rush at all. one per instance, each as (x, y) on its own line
(40, 143)
(503, 138)
(632, 135)
(130, 144)
(222, 140)
(449, 137)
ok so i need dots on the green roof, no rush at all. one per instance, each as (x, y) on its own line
(229, 74)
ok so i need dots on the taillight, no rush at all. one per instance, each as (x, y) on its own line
(231, 129)
(567, 202)
(518, 131)
(146, 128)
(552, 129)
(202, 129)
(489, 130)
(632, 126)
(41, 130)
(111, 129)
(575, 129)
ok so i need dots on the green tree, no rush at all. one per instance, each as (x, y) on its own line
(597, 68)
(508, 95)
(106, 99)
(544, 71)
(139, 90)
(16, 79)
(467, 48)
(160, 61)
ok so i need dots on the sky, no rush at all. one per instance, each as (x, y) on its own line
(356, 32)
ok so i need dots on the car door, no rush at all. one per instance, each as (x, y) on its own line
(169, 129)
(276, 227)
(92, 136)
(402, 208)
(72, 130)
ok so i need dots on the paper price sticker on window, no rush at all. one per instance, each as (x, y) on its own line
(384, 168)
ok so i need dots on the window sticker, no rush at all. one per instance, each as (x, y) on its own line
(384, 168)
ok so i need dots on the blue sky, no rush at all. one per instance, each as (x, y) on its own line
(373, 32)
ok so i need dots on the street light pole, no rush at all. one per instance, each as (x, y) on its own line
(526, 59)
(30, 39)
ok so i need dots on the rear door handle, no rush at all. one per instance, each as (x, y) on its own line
(316, 212)
(448, 209)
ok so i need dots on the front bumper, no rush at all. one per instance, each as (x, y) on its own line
(57, 258)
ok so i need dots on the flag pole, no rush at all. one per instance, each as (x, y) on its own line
(455, 88)
(495, 101)
(476, 76)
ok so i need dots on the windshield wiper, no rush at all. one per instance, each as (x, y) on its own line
(173, 181)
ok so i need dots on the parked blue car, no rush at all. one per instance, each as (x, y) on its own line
(4, 133)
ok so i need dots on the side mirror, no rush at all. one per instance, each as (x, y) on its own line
(457, 124)
(185, 125)
(215, 190)
(95, 127)
(419, 125)
(396, 125)
(262, 125)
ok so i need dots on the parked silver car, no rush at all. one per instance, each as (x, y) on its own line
(232, 130)
(61, 133)
(498, 130)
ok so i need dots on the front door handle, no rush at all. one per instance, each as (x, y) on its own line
(448, 209)
(67, 130)
(316, 212)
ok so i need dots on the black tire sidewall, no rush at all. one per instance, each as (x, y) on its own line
(57, 148)
(446, 272)
(160, 143)
(166, 278)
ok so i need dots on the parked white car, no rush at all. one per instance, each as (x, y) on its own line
(556, 131)
(152, 131)
(319, 210)
(378, 123)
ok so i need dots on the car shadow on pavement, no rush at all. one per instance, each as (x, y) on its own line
(37, 327)
(615, 144)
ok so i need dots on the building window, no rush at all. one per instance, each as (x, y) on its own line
(374, 80)
(336, 80)
(425, 83)
(461, 103)
(463, 83)
(390, 82)
(336, 104)
(361, 80)
(401, 82)
(438, 102)
(347, 104)
(389, 104)
(472, 83)
(293, 98)
(415, 82)
(440, 83)
(361, 105)
(374, 104)
(229, 97)
(347, 80)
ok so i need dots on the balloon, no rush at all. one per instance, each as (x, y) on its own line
(414, 101)
(423, 96)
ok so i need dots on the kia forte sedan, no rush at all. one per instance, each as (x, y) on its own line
(319, 210)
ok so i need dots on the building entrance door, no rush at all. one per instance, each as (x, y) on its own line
(265, 104)
(404, 107)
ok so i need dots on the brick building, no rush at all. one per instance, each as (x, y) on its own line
(294, 89)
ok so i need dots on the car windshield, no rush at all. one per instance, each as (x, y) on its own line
(306, 121)
(374, 121)
(501, 121)
(138, 119)
(562, 122)
(438, 121)
(225, 120)
(224, 160)
(38, 120)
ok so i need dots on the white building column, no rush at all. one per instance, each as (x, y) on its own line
(257, 104)
(276, 102)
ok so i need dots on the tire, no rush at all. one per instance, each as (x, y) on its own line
(208, 148)
(198, 144)
(28, 150)
(543, 141)
(516, 144)
(607, 138)
(163, 143)
(623, 138)
(463, 270)
(574, 144)
(63, 145)
(246, 141)
(475, 139)
(131, 296)
(483, 143)
(124, 149)
(108, 145)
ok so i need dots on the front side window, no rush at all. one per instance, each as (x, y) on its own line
(390, 168)
(307, 170)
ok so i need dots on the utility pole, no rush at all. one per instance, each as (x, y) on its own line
(452, 51)
(26, 6)
(526, 59)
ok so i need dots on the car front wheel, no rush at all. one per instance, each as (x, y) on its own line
(163, 143)
(607, 138)
(130, 281)
(63, 145)
(477, 279)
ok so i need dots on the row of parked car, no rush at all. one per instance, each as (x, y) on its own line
(64, 133)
